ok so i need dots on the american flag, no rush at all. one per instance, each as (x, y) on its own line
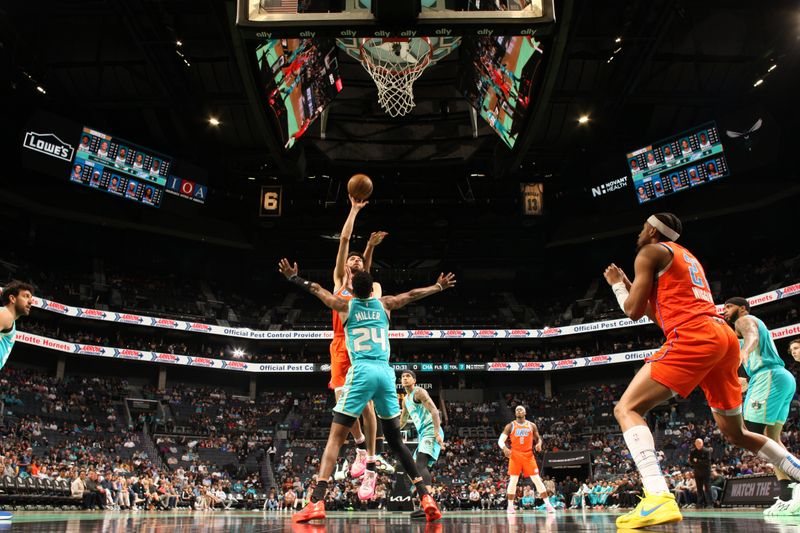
(279, 6)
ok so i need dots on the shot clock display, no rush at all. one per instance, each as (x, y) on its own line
(680, 162)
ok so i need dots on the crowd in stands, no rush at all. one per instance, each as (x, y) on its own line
(51, 432)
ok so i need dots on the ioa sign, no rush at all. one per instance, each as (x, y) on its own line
(611, 186)
(48, 144)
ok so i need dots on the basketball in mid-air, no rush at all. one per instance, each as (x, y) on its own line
(359, 187)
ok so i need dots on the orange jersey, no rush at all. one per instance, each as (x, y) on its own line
(681, 293)
(521, 438)
(338, 327)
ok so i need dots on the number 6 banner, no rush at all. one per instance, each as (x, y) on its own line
(271, 200)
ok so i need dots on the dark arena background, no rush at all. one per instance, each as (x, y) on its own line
(161, 158)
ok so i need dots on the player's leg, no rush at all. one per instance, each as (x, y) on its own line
(511, 491)
(643, 394)
(370, 429)
(353, 398)
(340, 427)
(531, 471)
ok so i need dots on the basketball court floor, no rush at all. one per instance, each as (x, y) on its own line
(727, 521)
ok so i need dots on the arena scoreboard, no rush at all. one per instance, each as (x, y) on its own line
(684, 161)
(119, 167)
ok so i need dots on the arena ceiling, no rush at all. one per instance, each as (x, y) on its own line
(639, 70)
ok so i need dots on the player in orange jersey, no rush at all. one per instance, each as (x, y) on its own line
(347, 263)
(521, 435)
(670, 287)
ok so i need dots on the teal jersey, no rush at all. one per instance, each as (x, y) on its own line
(765, 355)
(367, 331)
(7, 343)
(421, 417)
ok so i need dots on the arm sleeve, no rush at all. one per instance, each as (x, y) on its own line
(502, 441)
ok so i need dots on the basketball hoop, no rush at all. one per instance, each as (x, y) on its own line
(395, 64)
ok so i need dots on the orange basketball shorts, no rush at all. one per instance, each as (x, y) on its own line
(522, 463)
(703, 352)
(340, 363)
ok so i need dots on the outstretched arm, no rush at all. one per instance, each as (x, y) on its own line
(290, 272)
(339, 271)
(401, 300)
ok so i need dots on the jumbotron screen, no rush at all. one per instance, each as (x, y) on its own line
(497, 77)
(678, 163)
(119, 167)
(301, 78)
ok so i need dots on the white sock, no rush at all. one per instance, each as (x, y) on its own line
(510, 503)
(370, 458)
(643, 450)
(361, 439)
(780, 458)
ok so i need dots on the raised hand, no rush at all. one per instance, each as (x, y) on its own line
(614, 274)
(376, 237)
(287, 269)
(357, 205)
(445, 282)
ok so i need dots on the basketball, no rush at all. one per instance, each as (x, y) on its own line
(359, 187)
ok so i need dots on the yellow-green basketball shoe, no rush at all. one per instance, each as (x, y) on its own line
(652, 511)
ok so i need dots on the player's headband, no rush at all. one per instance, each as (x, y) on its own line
(665, 230)
(738, 300)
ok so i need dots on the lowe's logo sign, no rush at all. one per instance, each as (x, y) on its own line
(611, 186)
(48, 144)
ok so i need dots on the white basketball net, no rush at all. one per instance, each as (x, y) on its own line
(395, 66)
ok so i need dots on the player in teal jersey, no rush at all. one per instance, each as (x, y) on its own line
(419, 407)
(16, 300)
(366, 324)
(769, 392)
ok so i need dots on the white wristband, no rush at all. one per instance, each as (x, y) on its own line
(621, 293)
(440, 286)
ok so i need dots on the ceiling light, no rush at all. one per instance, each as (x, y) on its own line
(583, 119)
(773, 67)
(618, 40)
(179, 43)
(758, 82)
(238, 352)
(251, 178)
(610, 59)
(41, 89)
(214, 121)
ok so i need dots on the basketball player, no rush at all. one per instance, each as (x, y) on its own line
(419, 407)
(671, 288)
(520, 457)
(347, 263)
(769, 392)
(370, 377)
(16, 300)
